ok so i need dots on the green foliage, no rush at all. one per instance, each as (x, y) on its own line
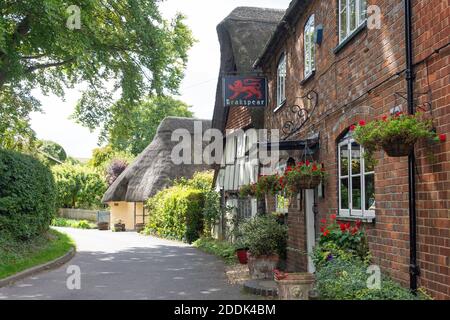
(398, 129)
(103, 157)
(177, 213)
(53, 149)
(222, 249)
(248, 191)
(134, 131)
(124, 41)
(263, 235)
(27, 195)
(268, 185)
(346, 279)
(69, 223)
(212, 208)
(18, 255)
(78, 186)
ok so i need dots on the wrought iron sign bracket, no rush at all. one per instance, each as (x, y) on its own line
(299, 115)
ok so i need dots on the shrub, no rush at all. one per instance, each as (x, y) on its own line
(263, 235)
(114, 170)
(346, 279)
(177, 213)
(222, 249)
(203, 181)
(78, 186)
(27, 195)
(69, 223)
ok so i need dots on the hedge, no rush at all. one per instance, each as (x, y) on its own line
(78, 186)
(177, 213)
(27, 195)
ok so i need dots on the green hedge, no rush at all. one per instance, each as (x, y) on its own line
(78, 186)
(177, 213)
(27, 195)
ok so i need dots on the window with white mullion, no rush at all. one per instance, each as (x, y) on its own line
(356, 181)
(281, 81)
(308, 39)
(352, 14)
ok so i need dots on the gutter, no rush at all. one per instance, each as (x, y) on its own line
(414, 271)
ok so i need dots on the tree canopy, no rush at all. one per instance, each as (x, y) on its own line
(134, 130)
(123, 50)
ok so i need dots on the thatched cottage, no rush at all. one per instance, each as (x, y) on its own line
(152, 171)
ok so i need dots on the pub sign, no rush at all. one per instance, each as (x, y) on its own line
(247, 91)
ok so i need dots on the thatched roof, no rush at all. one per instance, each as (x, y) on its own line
(287, 22)
(153, 170)
(242, 36)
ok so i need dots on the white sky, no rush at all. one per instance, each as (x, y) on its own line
(198, 88)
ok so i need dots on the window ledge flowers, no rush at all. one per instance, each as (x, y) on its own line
(396, 134)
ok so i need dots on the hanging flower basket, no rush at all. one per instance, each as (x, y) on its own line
(398, 149)
(304, 176)
(396, 134)
(248, 191)
(268, 185)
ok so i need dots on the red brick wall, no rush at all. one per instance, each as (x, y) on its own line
(238, 118)
(352, 85)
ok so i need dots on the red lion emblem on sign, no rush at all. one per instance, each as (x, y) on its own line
(252, 87)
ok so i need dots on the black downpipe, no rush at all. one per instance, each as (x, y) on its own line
(414, 270)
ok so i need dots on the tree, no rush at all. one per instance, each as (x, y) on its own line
(114, 170)
(53, 149)
(134, 131)
(121, 46)
(103, 157)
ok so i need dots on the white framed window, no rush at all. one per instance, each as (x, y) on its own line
(356, 181)
(281, 81)
(352, 14)
(309, 48)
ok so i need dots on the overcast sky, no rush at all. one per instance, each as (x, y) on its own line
(198, 87)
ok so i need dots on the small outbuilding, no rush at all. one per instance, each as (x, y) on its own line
(152, 171)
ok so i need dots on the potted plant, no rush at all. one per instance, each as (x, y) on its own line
(396, 134)
(294, 286)
(103, 226)
(268, 185)
(248, 190)
(305, 175)
(119, 226)
(242, 252)
(266, 240)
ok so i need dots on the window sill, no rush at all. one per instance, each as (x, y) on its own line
(310, 76)
(280, 106)
(363, 219)
(350, 38)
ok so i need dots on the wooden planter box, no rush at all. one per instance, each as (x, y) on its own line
(103, 226)
(119, 227)
(296, 286)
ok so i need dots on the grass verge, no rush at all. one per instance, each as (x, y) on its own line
(70, 223)
(17, 256)
(222, 249)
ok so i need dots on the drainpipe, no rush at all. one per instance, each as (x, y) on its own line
(414, 270)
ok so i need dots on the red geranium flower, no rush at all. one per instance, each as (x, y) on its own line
(307, 163)
(322, 229)
(326, 233)
(342, 226)
(314, 167)
(354, 231)
(352, 127)
(323, 221)
(362, 123)
(333, 217)
(442, 137)
(384, 118)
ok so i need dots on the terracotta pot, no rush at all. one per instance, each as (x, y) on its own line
(296, 286)
(398, 149)
(261, 267)
(103, 226)
(242, 255)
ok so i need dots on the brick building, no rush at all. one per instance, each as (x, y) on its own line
(353, 71)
